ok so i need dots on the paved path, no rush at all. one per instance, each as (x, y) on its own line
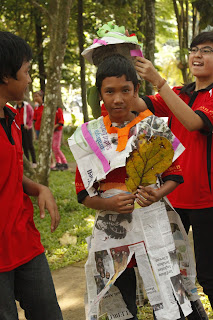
(70, 288)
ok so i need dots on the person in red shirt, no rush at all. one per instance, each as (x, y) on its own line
(117, 83)
(25, 113)
(189, 109)
(38, 98)
(24, 272)
(61, 161)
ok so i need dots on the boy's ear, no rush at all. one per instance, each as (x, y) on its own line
(136, 90)
(5, 80)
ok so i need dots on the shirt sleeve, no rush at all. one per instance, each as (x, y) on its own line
(174, 173)
(80, 189)
(206, 114)
(157, 105)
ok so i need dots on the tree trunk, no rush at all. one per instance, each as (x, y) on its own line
(59, 14)
(40, 51)
(181, 8)
(82, 62)
(150, 37)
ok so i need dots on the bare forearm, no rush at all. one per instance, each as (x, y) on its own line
(139, 104)
(30, 187)
(120, 203)
(189, 119)
(96, 203)
(167, 188)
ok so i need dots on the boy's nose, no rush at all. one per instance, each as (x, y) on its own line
(118, 98)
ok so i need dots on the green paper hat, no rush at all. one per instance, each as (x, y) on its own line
(112, 40)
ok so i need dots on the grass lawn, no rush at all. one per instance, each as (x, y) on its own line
(68, 243)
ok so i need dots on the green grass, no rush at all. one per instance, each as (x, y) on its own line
(76, 220)
(73, 222)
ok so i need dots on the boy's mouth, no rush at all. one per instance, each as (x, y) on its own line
(197, 64)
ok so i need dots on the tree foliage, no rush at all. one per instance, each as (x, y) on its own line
(56, 60)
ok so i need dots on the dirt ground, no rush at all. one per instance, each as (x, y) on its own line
(70, 288)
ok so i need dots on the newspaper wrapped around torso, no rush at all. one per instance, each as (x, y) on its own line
(146, 232)
(95, 166)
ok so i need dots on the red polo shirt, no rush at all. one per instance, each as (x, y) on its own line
(59, 119)
(20, 114)
(197, 160)
(38, 116)
(20, 240)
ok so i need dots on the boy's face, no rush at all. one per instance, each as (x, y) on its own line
(118, 95)
(201, 64)
(37, 98)
(16, 88)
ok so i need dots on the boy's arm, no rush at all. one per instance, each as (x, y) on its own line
(172, 177)
(147, 195)
(189, 119)
(45, 200)
(139, 104)
(120, 203)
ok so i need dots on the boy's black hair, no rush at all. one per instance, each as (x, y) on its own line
(116, 65)
(13, 52)
(202, 37)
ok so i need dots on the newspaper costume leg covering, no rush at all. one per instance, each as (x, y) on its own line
(147, 234)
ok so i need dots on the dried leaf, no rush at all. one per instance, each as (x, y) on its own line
(152, 157)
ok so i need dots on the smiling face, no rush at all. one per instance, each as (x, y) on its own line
(118, 94)
(16, 88)
(201, 65)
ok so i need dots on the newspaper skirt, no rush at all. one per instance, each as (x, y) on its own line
(163, 255)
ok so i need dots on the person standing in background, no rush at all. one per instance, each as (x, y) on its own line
(25, 114)
(61, 161)
(38, 98)
(189, 109)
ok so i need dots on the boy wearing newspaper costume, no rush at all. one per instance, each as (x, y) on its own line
(124, 232)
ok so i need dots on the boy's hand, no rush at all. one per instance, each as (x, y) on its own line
(147, 71)
(47, 201)
(121, 203)
(146, 196)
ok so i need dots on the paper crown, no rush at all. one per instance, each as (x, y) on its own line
(112, 40)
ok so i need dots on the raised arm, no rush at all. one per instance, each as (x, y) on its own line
(189, 119)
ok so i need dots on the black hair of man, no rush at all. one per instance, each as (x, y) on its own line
(13, 52)
(206, 36)
(116, 66)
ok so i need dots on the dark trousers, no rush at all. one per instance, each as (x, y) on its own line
(126, 283)
(201, 221)
(32, 285)
(27, 143)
